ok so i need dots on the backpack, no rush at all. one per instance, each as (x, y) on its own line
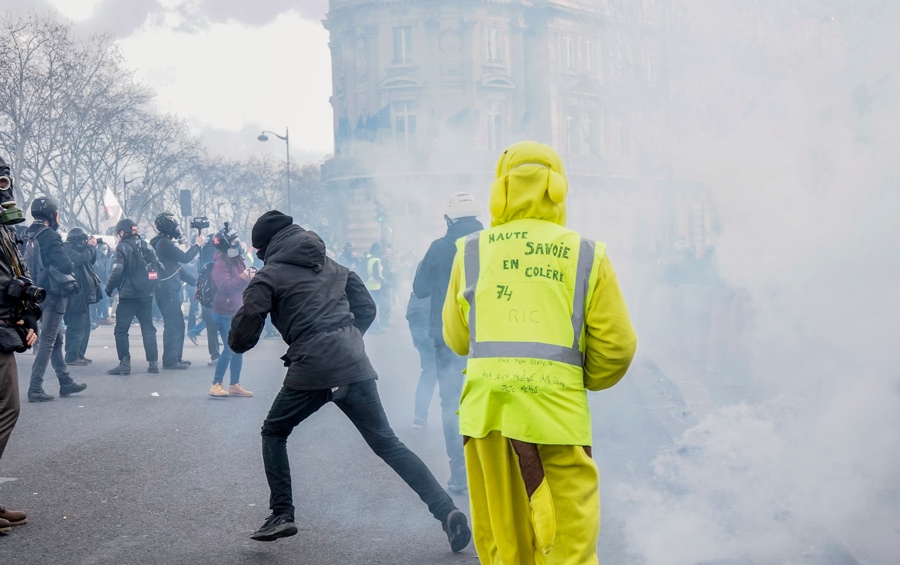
(148, 259)
(50, 279)
(33, 260)
(206, 288)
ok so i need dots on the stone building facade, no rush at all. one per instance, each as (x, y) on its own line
(426, 95)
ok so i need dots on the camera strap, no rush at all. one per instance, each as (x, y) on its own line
(178, 270)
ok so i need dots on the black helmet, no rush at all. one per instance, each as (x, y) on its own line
(127, 226)
(77, 235)
(167, 224)
(45, 208)
(225, 238)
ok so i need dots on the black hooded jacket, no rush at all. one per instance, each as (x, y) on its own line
(321, 309)
(82, 256)
(172, 258)
(433, 273)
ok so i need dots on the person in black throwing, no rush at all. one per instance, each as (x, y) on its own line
(323, 310)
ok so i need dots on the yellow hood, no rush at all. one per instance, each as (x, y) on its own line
(530, 184)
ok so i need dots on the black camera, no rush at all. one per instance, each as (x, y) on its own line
(199, 223)
(23, 290)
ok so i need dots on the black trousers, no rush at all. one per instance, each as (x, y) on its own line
(169, 301)
(126, 311)
(78, 332)
(359, 402)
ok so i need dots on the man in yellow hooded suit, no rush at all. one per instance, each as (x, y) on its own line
(538, 310)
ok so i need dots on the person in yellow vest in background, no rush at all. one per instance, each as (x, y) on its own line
(538, 310)
(374, 282)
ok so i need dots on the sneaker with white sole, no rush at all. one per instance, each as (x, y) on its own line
(218, 391)
(238, 390)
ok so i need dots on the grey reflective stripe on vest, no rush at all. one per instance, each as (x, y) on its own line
(582, 283)
(524, 349)
(472, 257)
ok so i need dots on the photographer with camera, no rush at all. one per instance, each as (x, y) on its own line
(52, 270)
(168, 292)
(19, 312)
(135, 274)
(82, 250)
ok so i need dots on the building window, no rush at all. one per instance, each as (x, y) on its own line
(569, 53)
(402, 45)
(625, 140)
(405, 126)
(495, 126)
(573, 135)
(493, 44)
(588, 57)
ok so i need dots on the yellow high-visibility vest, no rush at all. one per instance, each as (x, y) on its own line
(527, 286)
(372, 282)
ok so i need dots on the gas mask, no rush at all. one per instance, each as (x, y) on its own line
(233, 252)
(11, 214)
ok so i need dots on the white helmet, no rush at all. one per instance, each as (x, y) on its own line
(461, 205)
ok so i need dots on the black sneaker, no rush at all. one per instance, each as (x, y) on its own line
(458, 533)
(39, 397)
(66, 390)
(277, 526)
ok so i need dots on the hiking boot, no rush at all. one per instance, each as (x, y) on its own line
(14, 517)
(188, 363)
(78, 362)
(5, 527)
(124, 367)
(218, 391)
(458, 533)
(176, 366)
(238, 390)
(153, 367)
(71, 388)
(86, 359)
(276, 526)
(39, 396)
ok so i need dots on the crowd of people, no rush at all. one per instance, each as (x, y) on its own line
(513, 324)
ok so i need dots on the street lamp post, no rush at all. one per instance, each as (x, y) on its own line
(125, 183)
(287, 144)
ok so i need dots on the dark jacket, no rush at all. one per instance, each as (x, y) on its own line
(321, 309)
(104, 263)
(230, 284)
(52, 254)
(12, 265)
(172, 258)
(207, 254)
(433, 273)
(418, 315)
(128, 273)
(83, 257)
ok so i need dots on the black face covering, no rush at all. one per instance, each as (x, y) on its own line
(261, 253)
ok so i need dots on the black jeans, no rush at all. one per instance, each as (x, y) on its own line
(78, 332)
(359, 402)
(126, 311)
(169, 301)
(50, 345)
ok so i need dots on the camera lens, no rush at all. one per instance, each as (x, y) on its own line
(35, 294)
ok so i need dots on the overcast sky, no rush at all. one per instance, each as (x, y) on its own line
(231, 67)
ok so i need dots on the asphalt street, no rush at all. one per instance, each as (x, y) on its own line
(147, 469)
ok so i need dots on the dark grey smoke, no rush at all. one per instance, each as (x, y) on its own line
(121, 19)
